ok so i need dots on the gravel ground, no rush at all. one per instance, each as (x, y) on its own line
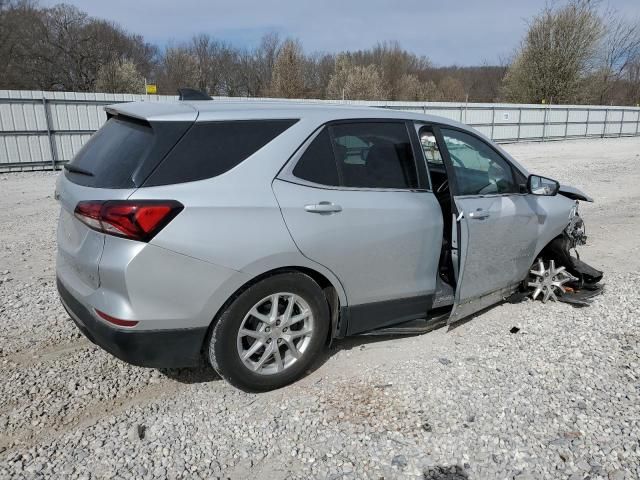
(558, 399)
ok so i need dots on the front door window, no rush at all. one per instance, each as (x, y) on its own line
(478, 169)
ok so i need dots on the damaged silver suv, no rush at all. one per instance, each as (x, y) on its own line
(249, 235)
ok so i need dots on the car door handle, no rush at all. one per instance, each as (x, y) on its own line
(323, 207)
(479, 214)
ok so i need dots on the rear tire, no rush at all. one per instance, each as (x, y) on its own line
(271, 333)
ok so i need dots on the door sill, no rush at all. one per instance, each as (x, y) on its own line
(436, 319)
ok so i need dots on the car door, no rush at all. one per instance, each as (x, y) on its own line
(498, 226)
(355, 201)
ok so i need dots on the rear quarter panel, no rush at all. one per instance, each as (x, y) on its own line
(79, 247)
(233, 221)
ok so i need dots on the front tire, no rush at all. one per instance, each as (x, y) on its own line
(271, 333)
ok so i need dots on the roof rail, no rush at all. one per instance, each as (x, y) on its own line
(192, 94)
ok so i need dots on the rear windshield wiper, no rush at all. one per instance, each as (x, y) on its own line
(74, 169)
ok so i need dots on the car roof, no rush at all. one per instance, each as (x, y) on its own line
(316, 113)
(217, 110)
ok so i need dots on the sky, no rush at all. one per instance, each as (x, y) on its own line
(460, 32)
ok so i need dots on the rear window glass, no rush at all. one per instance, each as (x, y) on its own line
(112, 154)
(210, 149)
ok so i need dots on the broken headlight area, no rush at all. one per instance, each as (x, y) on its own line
(559, 274)
(575, 230)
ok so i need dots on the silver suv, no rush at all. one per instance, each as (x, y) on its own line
(252, 234)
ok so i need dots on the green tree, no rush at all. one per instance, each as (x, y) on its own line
(556, 54)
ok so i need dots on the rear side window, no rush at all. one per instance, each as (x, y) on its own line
(317, 163)
(374, 155)
(360, 155)
(210, 149)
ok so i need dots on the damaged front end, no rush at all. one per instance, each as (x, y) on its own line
(559, 274)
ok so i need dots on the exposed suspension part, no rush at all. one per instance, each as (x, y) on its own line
(573, 281)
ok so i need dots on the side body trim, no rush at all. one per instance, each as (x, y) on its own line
(371, 316)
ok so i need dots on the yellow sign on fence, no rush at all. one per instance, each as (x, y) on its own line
(152, 88)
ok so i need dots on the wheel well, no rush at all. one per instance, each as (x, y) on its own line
(545, 251)
(330, 293)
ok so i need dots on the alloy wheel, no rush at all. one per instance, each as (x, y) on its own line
(275, 333)
(548, 282)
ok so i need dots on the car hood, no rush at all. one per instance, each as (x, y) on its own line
(574, 193)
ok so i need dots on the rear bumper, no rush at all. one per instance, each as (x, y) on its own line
(145, 348)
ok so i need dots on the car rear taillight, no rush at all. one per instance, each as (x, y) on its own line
(116, 321)
(133, 219)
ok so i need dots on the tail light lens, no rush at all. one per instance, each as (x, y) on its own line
(116, 321)
(136, 220)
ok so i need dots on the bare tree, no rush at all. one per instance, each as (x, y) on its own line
(178, 68)
(317, 72)
(17, 19)
(264, 59)
(287, 80)
(431, 91)
(62, 47)
(392, 62)
(633, 77)
(452, 89)
(215, 62)
(620, 47)
(571, 53)
(409, 87)
(395, 64)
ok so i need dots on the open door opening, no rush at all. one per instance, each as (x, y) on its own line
(498, 223)
(441, 308)
(447, 267)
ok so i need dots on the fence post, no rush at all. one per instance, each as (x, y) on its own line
(586, 129)
(566, 125)
(52, 146)
(621, 124)
(544, 123)
(493, 120)
(604, 128)
(637, 122)
(519, 122)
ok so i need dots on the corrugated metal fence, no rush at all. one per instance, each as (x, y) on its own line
(45, 129)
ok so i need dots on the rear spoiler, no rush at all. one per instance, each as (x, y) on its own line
(154, 111)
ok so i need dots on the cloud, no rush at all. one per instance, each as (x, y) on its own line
(464, 32)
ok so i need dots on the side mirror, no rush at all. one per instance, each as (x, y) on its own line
(538, 185)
